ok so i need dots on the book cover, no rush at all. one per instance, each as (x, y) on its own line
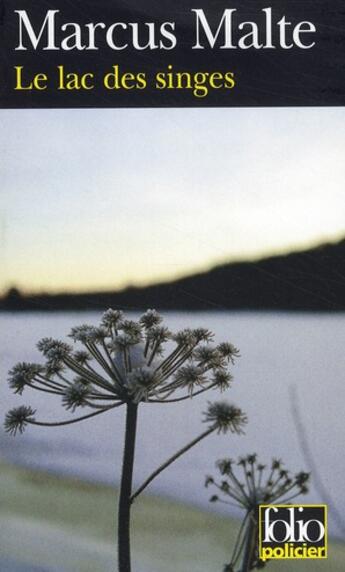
(172, 291)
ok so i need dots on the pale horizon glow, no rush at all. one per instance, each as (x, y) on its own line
(99, 199)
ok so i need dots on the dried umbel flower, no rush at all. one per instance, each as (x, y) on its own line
(22, 375)
(247, 484)
(17, 419)
(127, 362)
(122, 361)
(76, 395)
(226, 417)
(150, 319)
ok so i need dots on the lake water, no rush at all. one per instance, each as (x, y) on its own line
(278, 352)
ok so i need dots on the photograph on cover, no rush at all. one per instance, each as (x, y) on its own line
(174, 280)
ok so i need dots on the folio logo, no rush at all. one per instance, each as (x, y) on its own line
(297, 531)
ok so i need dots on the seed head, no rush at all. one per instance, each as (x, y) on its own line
(159, 335)
(255, 489)
(276, 464)
(222, 379)
(18, 418)
(209, 481)
(228, 351)
(75, 395)
(225, 466)
(209, 356)
(53, 368)
(53, 349)
(22, 374)
(121, 343)
(150, 319)
(97, 335)
(204, 354)
(123, 360)
(111, 318)
(184, 338)
(132, 330)
(190, 376)
(226, 417)
(302, 478)
(202, 335)
(140, 381)
(82, 357)
(83, 333)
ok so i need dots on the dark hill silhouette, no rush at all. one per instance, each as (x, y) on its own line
(311, 280)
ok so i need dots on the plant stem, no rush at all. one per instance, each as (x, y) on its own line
(76, 419)
(171, 460)
(250, 544)
(124, 556)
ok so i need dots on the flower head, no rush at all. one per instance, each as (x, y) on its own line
(150, 319)
(225, 417)
(222, 379)
(123, 360)
(225, 466)
(202, 335)
(53, 349)
(122, 342)
(248, 486)
(210, 357)
(189, 376)
(76, 395)
(83, 334)
(228, 351)
(18, 418)
(82, 357)
(244, 484)
(184, 338)
(133, 330)
(112, 318)
(22, 375)
(158, 335)
(141, 382)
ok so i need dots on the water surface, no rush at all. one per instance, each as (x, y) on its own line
(278, 351)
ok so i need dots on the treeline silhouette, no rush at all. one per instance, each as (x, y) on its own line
(311, 280)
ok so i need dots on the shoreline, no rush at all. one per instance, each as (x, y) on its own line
(47, 519)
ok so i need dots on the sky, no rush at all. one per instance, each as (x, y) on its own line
(99, 199)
